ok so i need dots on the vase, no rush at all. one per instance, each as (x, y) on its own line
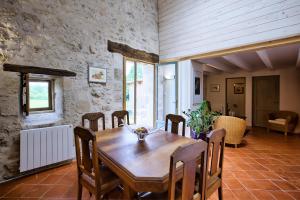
(197, 136)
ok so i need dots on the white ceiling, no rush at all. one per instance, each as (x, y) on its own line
(272, 58)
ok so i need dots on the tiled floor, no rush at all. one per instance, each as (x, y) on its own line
(266, 166)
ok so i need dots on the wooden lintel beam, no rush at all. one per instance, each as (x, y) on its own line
(36, 70)
(130, 52)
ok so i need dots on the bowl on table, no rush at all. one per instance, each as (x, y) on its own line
(140, 131)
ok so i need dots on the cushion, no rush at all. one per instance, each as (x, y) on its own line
(279, 121)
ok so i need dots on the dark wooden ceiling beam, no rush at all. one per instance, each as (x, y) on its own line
(130, 52)
(36, 70)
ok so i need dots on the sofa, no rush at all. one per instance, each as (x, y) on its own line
(285, 121)
(235, 128)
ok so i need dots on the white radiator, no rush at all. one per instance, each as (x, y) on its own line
(45, 146)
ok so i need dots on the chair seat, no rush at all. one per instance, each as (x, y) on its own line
(109, 180)
(278, 121)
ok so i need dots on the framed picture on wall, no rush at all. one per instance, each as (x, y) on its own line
(97, 75)
(197, 88)
(239, 88)
(197, 85)
(214, 87)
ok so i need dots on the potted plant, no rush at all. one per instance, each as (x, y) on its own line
(201, 120)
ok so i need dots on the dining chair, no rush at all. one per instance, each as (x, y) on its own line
(189, 155)
(215, 155)
(120, 115)
(93, 119)
(98, 180)
(175, 121)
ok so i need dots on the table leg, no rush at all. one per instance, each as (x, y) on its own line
(128, 193)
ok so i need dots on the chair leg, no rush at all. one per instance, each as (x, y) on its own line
(79, 191)
(235, 146)
(220, 193)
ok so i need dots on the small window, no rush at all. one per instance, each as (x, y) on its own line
(40, 95)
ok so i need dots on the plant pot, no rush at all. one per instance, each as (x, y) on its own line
(197, 136)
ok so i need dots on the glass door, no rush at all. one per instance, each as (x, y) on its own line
(166, 91)
(139, 92)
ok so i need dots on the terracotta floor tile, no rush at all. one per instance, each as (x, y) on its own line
(296, 195)
(233, 184)
(295, 183)
(36, 191)
(279, 195)
(250, 184)
(62, 170)
(284, 185)
(19, 191)
(34, 179)
(51, 179)
(68, 179)
(227, 194)
(71, 192)
(243, 195)
(256, 174)
(57, 191)
(271, 175)
(259, 184)
(241, 174)
(7, 187)
(263, 194)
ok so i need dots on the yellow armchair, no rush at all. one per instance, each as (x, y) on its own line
(235, 128)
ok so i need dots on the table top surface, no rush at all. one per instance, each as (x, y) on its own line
(146, 160)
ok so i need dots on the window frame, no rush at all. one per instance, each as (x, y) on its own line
(50, 108)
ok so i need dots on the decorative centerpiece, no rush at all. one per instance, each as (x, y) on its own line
(141, 132)
(201, 120)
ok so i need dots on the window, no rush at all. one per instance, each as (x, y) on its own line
(40, 95)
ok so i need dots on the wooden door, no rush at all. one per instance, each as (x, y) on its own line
(265, 98)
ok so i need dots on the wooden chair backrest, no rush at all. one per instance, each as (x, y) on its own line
(86, 156)
(189, 156)
(216, 144)
(93, 119)
(120, 115)
(175, 120)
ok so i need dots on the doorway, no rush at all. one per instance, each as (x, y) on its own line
(265, 98)
(235, 97)
(139, 92)
(166, 91)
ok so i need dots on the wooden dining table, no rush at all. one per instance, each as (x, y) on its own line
(142, 166)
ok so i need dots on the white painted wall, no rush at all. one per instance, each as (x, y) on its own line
(186, 72)
(184, 85)
(189, 27)
(289, 90)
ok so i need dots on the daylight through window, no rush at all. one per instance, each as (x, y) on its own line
(40, 95)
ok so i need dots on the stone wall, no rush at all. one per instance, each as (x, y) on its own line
(68, 34)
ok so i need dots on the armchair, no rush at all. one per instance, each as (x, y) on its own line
(285, 121)
(234, 126)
